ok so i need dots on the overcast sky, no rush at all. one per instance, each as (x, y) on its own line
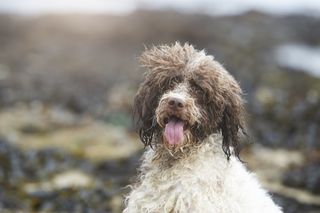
(212, 7)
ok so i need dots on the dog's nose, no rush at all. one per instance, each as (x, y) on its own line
(175, 103)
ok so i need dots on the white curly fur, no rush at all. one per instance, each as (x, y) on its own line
(200, 181)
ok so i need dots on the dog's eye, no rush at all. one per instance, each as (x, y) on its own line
(174, 81)
(197, 89)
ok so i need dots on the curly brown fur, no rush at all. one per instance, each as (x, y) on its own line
(215, 92)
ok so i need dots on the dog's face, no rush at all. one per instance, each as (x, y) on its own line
(186, 97)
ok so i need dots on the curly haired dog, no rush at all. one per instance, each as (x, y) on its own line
(189, 111)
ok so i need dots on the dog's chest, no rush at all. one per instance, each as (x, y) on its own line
(188, 184)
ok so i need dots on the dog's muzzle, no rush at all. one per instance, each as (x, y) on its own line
(173, 120)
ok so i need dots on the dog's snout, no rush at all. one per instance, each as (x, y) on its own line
(176, 103)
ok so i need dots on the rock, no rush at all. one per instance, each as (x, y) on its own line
(307, 177)
(292, 206)
(71, 179)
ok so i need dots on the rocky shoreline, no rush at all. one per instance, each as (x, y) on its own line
(67, 84)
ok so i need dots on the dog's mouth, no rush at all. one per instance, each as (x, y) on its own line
(174, 129)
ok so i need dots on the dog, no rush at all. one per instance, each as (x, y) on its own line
(190, 116)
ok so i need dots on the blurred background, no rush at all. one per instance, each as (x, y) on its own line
(69, 72)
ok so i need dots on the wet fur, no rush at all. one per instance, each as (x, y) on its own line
(216, 91)
(205, 181)
(203, 174)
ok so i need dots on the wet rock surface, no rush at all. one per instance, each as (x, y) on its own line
(292, 206)
(306, 177)
(43, 180)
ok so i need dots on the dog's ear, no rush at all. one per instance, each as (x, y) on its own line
(143, 113)
(232, 122)
(146, 99)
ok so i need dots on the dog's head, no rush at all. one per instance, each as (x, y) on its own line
(187, 96)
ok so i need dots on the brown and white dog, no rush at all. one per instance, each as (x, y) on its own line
(190, 112)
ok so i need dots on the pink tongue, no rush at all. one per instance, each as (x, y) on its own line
(174, 131)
